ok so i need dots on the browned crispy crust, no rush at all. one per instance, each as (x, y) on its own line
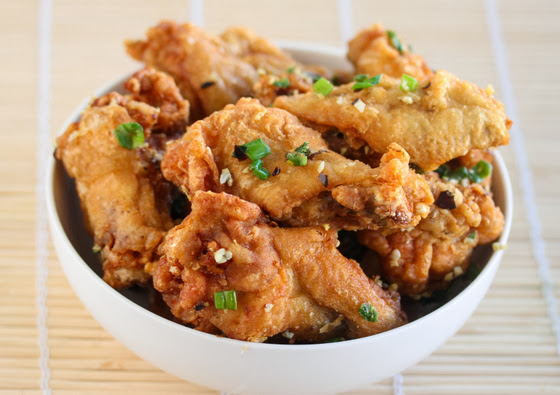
(124, 197)
(442, 120)
(430, 255)
(351, 195)
(371, 52)
(285, 279)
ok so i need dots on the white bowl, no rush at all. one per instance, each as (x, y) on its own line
(242, 367)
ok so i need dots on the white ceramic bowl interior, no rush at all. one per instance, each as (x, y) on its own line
(241, 367)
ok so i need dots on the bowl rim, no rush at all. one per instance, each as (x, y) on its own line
(289, 46)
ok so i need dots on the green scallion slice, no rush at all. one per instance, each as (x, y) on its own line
(291, 69)
(395, 42)
(472, 235)
(130, 135)
(299, 157)
(322, 87)
(283, 83)
(360, 77)
(368, 312)
(225, 300)
(408, 83)
(255, 149)
(363, 83)
(480, 171)
(259, 170)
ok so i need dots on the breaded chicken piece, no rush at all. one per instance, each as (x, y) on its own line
(284, 279)
(442, 120)
(125, 199)
(429, 256)
(329, 189)
(211, 71)
(372, 52)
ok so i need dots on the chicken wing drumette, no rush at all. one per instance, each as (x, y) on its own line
(438, 249)
(441, 120)
(284, 279)
(327, 189)
(124, 197)
(377, 51)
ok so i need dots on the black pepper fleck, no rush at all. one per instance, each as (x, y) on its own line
(276, 171)
(314, 154)
(324, 179)
(207, 84)
(199, 306)
(427, 86)
(446, 200)
(239, 153)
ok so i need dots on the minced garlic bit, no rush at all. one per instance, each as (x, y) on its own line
(174, 270)
(326, 226)
(378, 281)
(407, 99)
(422, 209)
(360, 105)
(321, 166)
(394, 257)
(288, 334)
(457, 271)
(394, 286)
(339, 100)
(489, 90)
(352, 164)
(498, 246)
(96, 248)
(465, 182)
(222, 255)
(261, 71)
(226, 177)
(268, 307)
(448, 277)
(337, 243)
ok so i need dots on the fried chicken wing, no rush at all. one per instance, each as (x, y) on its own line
(211, 71)
(124, 197)
(329, 189)
(442, 120)
(372, 52)
(429, 256)
(284, 279)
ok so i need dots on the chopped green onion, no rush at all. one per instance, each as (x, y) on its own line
(283, 83)
(368, 312)
(225, 300)
(395, 42)
(130, 135)
(314, 76)
(417, 169)
(296, 158)
(291, 69)
(259, 170)
(322, 87)
(360, 77)
(442, 171)
(472, 235)
(408, 83)
(480, 171)
(255, 149)
(459, 173)
(299, 157)
(363, 83)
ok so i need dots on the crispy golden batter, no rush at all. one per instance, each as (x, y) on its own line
(427, 257)
(285, 279)
(124, 197)
(371, 52)
(444, 119)
(211, 71)
(329, 189)
(265, 90)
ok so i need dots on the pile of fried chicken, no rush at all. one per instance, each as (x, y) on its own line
(224, 173)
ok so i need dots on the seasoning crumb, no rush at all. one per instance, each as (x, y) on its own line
(490, 90)
(394, 257)
(448, 277)
(226, 177)
(96, 249)
(288, 334)
(394, 286)
(407, 99)
(352, 164)
(268, 307)
(222, 255)
(326, 226)
(498, 246)
(457, 271)
(321, 166)
(174, 270)
(339, 100)
(359, 104)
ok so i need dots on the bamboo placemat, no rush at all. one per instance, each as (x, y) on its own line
(508, 345)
